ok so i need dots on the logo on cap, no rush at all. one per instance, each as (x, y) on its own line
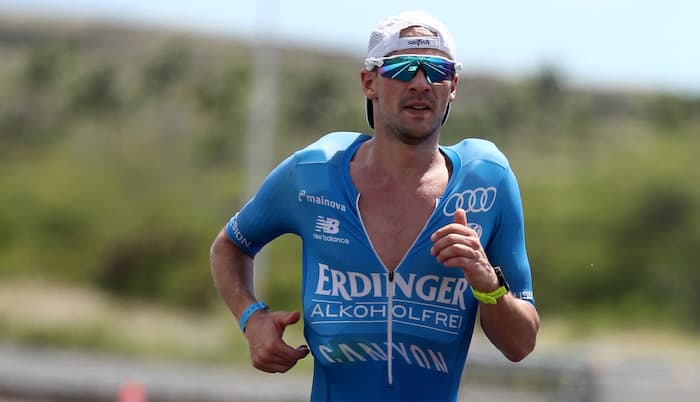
(414, 42)
(419, 42)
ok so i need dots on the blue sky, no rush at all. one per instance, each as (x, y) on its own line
(620, 43)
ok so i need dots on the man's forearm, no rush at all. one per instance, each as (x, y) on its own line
(232, 271)
(511, 325)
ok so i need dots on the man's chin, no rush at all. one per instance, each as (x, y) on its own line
(416, 136)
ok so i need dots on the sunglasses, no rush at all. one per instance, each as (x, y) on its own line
(404, 67)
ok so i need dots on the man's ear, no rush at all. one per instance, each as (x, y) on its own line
(453, 93)
(369, 79)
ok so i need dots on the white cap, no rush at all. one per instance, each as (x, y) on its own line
(386, 35)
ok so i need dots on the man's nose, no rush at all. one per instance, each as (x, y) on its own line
(420, 80)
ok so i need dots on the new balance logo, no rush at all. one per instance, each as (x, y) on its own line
(327, 225)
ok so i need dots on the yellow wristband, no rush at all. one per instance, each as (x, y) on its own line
(489, 297)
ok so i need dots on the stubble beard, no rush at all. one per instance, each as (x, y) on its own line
(409, 136)
(404, 131)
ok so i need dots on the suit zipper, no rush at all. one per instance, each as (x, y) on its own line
(390, 342)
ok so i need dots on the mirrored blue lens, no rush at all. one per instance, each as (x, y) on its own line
(405, 67)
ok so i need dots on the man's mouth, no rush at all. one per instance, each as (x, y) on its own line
(418, 106)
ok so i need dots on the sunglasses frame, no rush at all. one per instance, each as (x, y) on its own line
(433, 67)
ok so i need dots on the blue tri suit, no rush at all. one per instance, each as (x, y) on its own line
(362, 352)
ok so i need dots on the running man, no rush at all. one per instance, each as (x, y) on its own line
(404, 239)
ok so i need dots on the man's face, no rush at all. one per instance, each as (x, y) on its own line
(412, 111)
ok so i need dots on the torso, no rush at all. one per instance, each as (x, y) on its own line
(394, 214)
(351, 319)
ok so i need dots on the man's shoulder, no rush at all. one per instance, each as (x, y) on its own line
(328, 147)
(471, 149)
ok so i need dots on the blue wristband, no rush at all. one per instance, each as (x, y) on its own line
(249, 311)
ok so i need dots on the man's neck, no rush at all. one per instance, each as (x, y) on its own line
(399, 162)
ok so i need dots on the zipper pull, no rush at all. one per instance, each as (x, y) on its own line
(391, 276)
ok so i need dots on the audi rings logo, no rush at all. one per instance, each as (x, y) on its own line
(475, 200)
(477, 228)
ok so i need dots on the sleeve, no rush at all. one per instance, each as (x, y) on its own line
(269, 214)
(507, 248)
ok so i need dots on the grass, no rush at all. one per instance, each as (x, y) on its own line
(37, 312)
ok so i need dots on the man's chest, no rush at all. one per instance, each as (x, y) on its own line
(393, 222)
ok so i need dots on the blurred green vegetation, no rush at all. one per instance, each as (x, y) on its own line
(122, 154)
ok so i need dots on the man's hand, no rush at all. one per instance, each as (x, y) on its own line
(456, 245)
(511, 324)
(268, 351)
